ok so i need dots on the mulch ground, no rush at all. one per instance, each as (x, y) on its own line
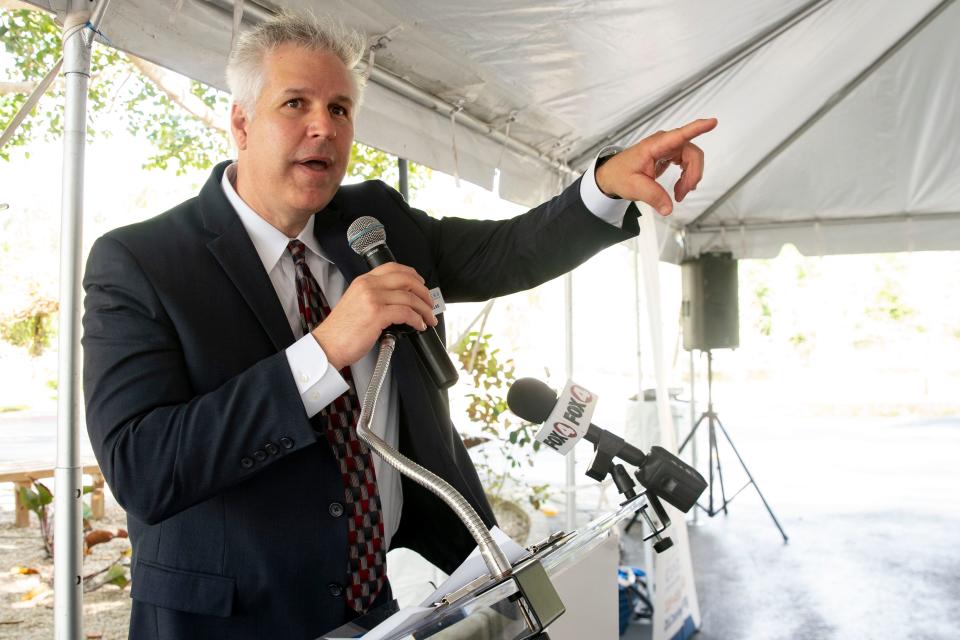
(26, 599)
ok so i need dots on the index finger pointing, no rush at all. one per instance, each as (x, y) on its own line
(669, 142)
(698, 127)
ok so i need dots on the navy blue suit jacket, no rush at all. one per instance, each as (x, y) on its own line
(186, 383)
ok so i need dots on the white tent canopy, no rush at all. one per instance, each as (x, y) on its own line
(838, 120)
(836, 116)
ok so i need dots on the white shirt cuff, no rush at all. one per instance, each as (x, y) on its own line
(319, 383)
(610, 210)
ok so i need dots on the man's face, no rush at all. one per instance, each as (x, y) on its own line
(294, 151)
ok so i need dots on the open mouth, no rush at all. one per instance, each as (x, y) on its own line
(316, 164)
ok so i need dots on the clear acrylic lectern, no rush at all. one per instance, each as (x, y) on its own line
(502, 610)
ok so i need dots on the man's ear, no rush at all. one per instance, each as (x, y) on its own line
(238, 125)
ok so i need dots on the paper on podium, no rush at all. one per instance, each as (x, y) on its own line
(474, 566)
(469, 570)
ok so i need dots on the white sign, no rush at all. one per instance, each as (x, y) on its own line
(676, 612)
(569, 420)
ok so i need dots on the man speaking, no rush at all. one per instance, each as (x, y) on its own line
(227, 342)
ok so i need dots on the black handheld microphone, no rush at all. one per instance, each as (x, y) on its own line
(661, 472)
(368, 238)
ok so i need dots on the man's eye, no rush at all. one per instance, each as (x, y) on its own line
(337, 110)
(293, 103)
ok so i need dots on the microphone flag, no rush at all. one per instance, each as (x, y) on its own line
(569, 419)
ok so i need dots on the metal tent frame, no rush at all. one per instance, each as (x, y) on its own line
(556, 162)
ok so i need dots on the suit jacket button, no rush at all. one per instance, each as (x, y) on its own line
(260, 455)
(271, 448)
(335, 589)
(286, 442)
(246, 462)
(336, 509)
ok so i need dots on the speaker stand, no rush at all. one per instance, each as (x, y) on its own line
(713, 421)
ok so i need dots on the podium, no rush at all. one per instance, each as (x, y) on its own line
(516, 599)
(521, 605)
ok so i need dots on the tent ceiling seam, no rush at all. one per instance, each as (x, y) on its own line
(887, 218)
(694, 82)
(828, 105)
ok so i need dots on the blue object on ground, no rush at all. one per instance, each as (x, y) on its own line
(628, 579)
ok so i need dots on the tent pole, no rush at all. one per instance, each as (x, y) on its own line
(693, 421)
(824, 109)
(637, 320)
(403, 169)
(570, 461)
(68, 587)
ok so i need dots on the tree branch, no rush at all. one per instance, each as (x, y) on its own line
(178, 92)
(186, 100)
(16, 87)
(15, 5)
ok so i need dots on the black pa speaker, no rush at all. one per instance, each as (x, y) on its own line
(710, 308)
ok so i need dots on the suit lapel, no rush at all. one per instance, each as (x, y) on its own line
(236, 254)
(426, 424)
(330, 227)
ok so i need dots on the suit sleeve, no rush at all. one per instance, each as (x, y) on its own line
(482, 259)
(163, 447)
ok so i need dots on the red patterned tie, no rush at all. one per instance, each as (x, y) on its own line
(366, 564)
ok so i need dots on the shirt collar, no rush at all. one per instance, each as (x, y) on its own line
(270, 242)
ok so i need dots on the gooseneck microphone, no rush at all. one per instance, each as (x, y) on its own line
(367, 237)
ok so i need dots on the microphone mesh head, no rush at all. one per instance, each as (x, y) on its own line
(531, 399)
(365, 233)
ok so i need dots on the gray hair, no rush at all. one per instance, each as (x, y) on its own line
(318, 33)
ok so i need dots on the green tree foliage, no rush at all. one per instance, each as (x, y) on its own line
(761, 299)
(133, 94)
(180, 138)
(889, 303)
(755, 281)
(32, 328)
(118, 91)
(121, 92)
(371, 163)
(32, 40)
(505, 447)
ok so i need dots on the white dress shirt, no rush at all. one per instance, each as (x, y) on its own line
(319, 383)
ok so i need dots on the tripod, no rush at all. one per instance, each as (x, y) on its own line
(713, 421)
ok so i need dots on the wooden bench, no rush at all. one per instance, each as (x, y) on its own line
(22, 474)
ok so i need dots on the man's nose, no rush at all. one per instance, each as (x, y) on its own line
(322, 125)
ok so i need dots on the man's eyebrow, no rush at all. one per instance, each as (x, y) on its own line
(292, 90)
(342, 98)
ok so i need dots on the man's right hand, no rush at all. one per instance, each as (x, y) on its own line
(390, 294)
(632, 174)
